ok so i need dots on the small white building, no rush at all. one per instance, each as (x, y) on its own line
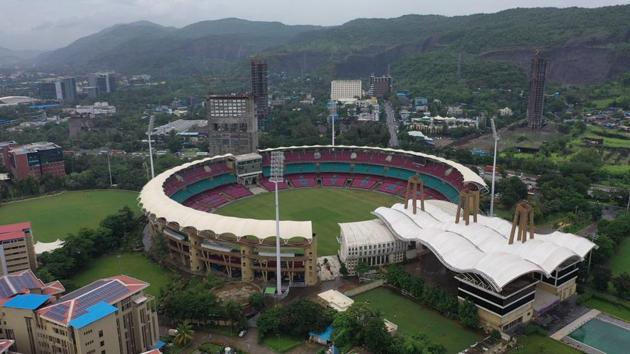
(97, 109)
(505, 112)
(335, 300)
(369, 242)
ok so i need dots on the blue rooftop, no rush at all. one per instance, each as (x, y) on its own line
(94, 313)
(326, 335)
(27, 302)
(159, 344)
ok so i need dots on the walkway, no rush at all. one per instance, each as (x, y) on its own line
(564, 331)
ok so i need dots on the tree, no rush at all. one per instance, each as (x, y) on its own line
(512, 190)
(468, 314)
(234, 314)
(361, 268)
(601, 277)
(184, 334)
(622, 285)
(257, 301)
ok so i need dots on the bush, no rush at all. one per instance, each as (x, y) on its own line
(601, 277)
(622, 285)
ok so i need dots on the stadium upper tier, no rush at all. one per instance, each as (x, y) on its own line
(185, 193)
(482, 247)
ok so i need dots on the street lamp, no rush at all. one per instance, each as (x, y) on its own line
(495, 136)
(277, 173)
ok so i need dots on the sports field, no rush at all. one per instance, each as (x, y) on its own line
(57, 215)
(324, 206)
(413, 318)
(133, 264)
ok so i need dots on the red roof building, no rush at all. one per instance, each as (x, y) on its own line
(17, 252)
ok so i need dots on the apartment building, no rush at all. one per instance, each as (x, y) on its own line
(109, 316)
(17, 252)
(345, 90)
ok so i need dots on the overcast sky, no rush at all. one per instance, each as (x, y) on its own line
(48, 24)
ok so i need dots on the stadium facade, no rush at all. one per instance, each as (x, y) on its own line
(507, 270)
(179, 203)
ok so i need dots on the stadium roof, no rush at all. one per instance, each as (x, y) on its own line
(467, 173)
(156, 202)
(482, 247)
(84, 305)
(5, 344)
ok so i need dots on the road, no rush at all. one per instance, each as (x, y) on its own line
(392, 126)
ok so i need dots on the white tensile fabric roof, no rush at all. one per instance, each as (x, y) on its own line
(154, 201)
(481, 247)
(362, 233)
(467, 173)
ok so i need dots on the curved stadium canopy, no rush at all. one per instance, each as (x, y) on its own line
(481, 248)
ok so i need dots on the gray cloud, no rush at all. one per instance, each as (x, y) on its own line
(48, 24)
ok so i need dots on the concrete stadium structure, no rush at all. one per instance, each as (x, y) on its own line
(179, 204)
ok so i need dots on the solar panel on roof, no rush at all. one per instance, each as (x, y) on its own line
(83, 290)
(107, 293)
(58, 312)
(5, 290)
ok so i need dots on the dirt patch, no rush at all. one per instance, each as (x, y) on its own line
(238, 292)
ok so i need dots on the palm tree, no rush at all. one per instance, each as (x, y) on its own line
(184, 334)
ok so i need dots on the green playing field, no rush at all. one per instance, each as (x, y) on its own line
(58, 215)
(325, 207)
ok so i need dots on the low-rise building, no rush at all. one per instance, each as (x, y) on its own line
(17, 252)
(95, 110)
(369, 242)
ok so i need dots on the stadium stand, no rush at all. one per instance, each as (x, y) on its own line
(364, 182)
(334, 180)
(303, 181)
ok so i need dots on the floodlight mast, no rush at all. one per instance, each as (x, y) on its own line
(149, 132)
(277, 173)
(495, 136)
(332, 109)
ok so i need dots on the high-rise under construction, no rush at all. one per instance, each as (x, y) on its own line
(260, 90)
(536, 99)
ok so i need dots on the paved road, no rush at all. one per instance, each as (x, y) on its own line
(392, 126)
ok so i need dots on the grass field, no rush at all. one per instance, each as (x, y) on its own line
(324, 206)
(414, 318)
(55, 216)
(133, 264)
(281, 344)
(620, 262)
(539, 344)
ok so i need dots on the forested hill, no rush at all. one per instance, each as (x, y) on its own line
(146, 47)
(583, 45)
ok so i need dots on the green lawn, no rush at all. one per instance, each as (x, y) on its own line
(620, 262)
(414, 318)
(538, 344)
(55, 216)
(324, 206)
(281, 344)
(613, 309)
(136, 265)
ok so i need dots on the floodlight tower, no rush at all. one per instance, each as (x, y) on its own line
(277, 173)
(332, 109)
(495, 136)
(149, 132)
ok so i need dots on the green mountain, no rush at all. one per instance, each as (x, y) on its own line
(583, 46)
(148, 47)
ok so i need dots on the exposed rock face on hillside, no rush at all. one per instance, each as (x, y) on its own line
(574, 65)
